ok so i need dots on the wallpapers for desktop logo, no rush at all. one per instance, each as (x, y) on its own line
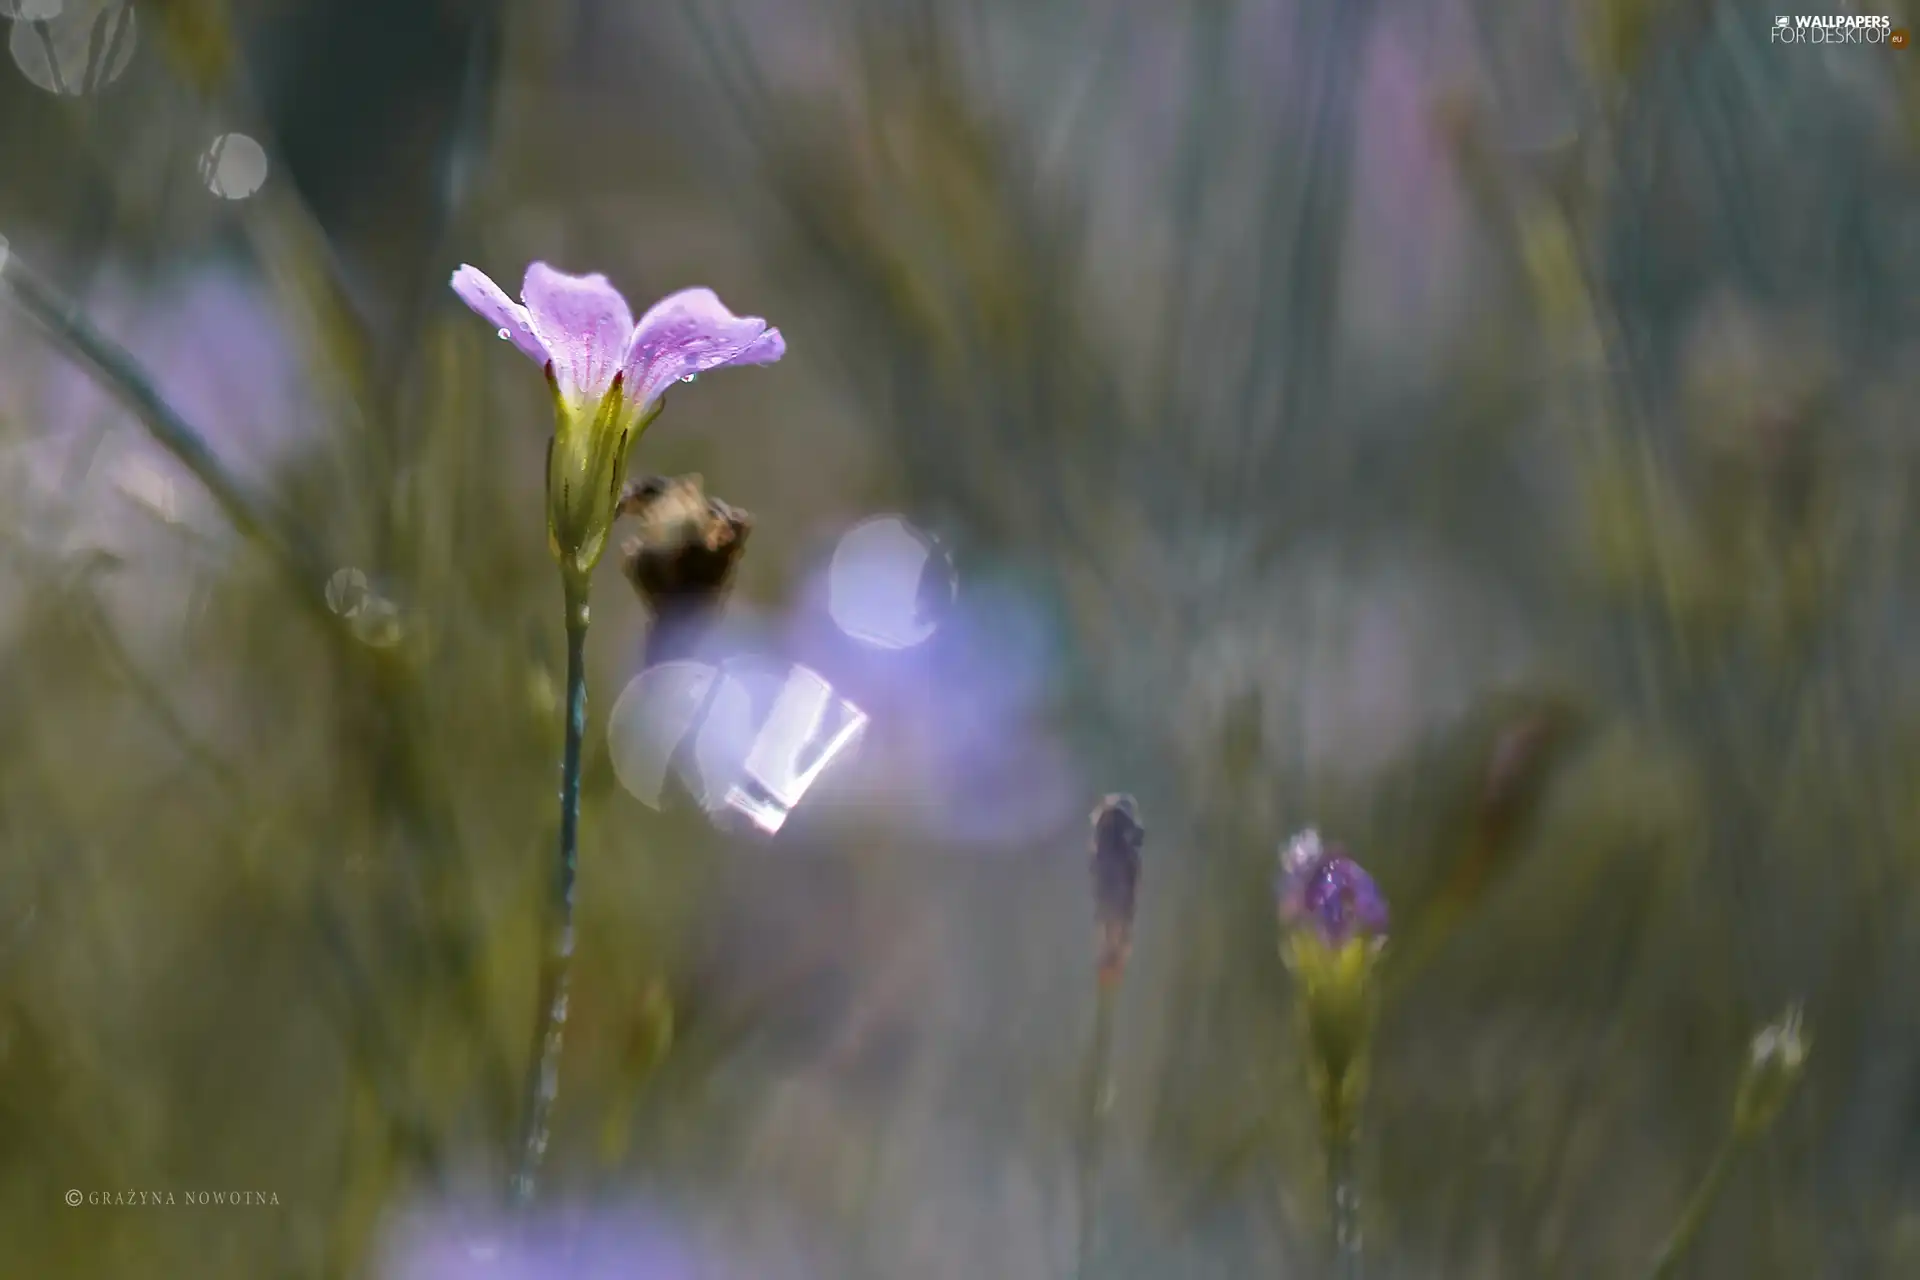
(1832, 28)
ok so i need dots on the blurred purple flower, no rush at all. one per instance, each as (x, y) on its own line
(959, 742)
(84, 482)
(215, 347)
(446, 1248)
(607, 374)
(1323, 889)
(623, 1243)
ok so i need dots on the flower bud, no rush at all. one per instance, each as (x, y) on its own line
(1333, 932)
(682, 561)
(1117, 840)
(1775, 1063)
(1327, 893)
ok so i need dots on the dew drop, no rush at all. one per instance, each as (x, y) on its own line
(505, 336)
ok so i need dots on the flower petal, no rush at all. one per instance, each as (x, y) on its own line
(491, 303)
(765, 349)
(691, 332)
(585, 326)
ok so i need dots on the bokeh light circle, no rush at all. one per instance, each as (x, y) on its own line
(82, 46)
(651, 717)
(374, 620)
(347, 592)
(732, 725)
(146, 482)
(378, 623)
(234, 166)
(890, 584)
(748, 739)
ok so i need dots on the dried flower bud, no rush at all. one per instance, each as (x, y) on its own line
(683, 558)
(1775, 1063)
(1117, 840)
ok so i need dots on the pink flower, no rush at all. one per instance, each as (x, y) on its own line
(608, 375)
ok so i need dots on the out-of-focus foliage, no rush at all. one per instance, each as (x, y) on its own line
(1481, 432)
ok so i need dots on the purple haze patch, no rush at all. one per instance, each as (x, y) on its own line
(94, 482)
(214, 344)
(632, 1246)
(625, 1242)
(956, 721)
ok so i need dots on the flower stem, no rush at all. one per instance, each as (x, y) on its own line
(1695, 1214)
(543, 1071)
(1095, 1087)
(1343, 1200)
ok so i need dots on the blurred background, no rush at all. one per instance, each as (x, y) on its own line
(1483, 432)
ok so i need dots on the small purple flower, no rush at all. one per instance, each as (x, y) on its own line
(1321, 888)
(608, 375)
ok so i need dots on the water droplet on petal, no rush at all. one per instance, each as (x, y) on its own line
(890, 584)
(505, 336)
(690, 377)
